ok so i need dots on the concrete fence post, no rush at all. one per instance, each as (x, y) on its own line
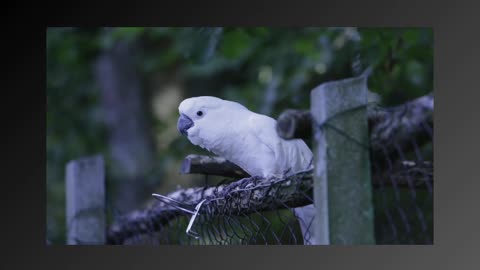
(85, 201)
(343, 189)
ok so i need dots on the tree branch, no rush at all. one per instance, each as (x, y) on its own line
(389, 128)
(252, 195)
(402, 126)
(198, 164)
(293, 124)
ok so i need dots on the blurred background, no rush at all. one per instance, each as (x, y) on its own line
(115, 92)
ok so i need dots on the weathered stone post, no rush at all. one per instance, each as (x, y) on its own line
(85, 198)
(342, 184)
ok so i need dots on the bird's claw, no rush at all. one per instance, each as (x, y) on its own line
(242, 183)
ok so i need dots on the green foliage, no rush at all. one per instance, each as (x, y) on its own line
(235, 43)
(232, 63)
(402, 60)
(73, 118)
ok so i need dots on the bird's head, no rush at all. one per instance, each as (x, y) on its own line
(203, 119)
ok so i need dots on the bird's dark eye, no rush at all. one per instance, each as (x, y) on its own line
(199, 113)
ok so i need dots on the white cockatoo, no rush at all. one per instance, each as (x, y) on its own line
(248, 139)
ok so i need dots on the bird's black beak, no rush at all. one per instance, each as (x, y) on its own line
(184, 123)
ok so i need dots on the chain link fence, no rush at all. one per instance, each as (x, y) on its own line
(403, 171)
(252, 211)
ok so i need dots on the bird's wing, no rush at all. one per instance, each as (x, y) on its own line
(291, 156)
(262, 127)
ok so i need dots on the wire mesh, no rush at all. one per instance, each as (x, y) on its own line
(252, 211)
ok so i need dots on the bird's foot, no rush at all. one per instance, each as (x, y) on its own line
(242, 184)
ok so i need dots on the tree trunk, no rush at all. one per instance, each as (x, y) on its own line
(130, 141)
